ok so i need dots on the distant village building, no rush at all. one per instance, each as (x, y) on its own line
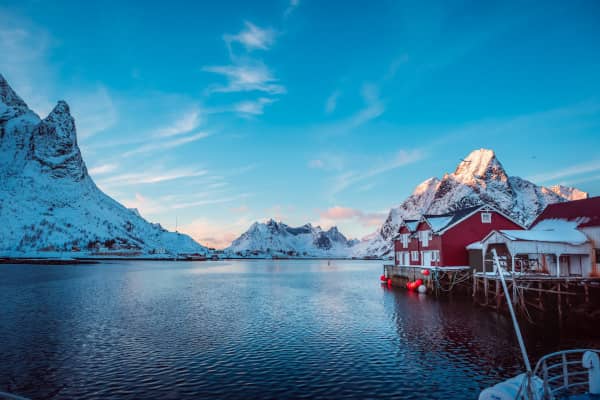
(441, 240)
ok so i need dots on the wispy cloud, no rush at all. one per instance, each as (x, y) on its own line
(216, 233)
(316, 163)
(331, 103)
(26, 62)
(372, 109)
(246, 76)
(293, 4)
(150, 177)
(103, 169)
(337, 214)
(570, 171)
(94, 111)
(252, 107)
(184, 124)
(252, 37)
(166, 144)
(402, 158)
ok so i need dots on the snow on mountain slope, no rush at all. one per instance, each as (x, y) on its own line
(278, 239)
(49, 203)
(569, 193)
(478, 179)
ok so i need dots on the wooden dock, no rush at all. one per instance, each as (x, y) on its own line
(440, 280)
(535, 295)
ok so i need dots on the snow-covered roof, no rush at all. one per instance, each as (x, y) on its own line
(585, 212)
(475, 246)
(412, 225)
(550, 230)
(439, 223)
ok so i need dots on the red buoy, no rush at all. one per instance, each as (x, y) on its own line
(418, 283)
(425, 272)
(382, 278)
(389, 281)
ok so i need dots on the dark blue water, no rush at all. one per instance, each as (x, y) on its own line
(243, 329)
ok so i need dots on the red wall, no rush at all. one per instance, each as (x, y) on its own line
(470, 230)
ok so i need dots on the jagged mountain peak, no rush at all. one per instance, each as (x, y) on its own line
(55, 144)
(48, 202)
(569, 193)
(426, 186)
(481, 164)
(11, 105)
(478, 179)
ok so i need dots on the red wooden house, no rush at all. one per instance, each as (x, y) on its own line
(441, 240)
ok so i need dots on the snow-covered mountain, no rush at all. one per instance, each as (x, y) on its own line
(569, 193)
(49, 203)
(278, 239)
(478, 179)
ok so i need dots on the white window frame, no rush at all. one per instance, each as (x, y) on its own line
(405, 240)
(435, 256)
(424, 237)
(414, 255)
(486, 217)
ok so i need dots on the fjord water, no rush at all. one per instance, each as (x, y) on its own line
(243, 329)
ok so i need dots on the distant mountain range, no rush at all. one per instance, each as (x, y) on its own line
(49, 203)
(479, 179)
(276, 239)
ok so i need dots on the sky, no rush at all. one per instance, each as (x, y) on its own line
(212, 115)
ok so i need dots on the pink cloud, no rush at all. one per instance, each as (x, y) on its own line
(337, 213)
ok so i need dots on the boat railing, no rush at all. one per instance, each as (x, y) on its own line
(563, 373)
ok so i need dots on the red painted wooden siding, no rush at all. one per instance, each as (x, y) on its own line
(469, 230)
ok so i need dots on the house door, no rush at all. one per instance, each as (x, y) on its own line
(427, 258)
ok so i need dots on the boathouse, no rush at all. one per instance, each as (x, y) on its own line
(586, 214)
(552, 247)
(563, 241)
(441, 240)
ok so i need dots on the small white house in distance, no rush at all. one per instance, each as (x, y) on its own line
(553, 247)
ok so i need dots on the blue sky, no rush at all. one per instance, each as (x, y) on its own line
(217, 114)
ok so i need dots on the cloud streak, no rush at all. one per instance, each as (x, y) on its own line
(167, 144)
(246, 76)
(402, 158)
(573, 170)
(252, 37)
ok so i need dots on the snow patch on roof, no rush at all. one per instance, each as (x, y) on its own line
(550, 230)
(439, 223)
(475, 246)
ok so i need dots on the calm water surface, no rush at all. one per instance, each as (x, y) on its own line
(244, 329)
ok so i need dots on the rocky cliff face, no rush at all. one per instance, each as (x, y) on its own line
(478, 179)
(48, 202)
(278, 239)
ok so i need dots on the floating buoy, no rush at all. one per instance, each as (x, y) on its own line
(411, 286)
(418, 283)
(425, 272)
(422, 289)
(389, 281)
(382, 278)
